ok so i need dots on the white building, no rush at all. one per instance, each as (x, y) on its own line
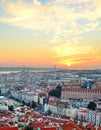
(93, 117)
(90, 116)
(3, 88)
(3, 107)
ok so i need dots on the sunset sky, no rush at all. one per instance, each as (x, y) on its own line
(44, 33)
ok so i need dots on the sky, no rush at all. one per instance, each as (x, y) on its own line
(48, 33)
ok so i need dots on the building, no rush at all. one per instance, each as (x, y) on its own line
(93, 117)
(90, 116)
(80, 93)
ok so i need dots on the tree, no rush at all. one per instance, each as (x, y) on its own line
(23, 102)
(11, 108)
(56, 92)
(92, 105)
(28, 104)
(28, 128)
(33, 104)
(49, 112)
(58, 86)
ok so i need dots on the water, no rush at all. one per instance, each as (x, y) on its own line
(8, 72)
(40, 70)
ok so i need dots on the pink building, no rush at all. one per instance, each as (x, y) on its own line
(80, 93)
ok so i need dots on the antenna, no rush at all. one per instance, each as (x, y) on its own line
(55, 68)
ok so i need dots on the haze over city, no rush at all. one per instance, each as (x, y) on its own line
(44, 33)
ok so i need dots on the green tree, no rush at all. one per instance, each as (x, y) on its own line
(28, 128)
(56, 92)
(92, 105)
(33, 104)
(49, 112)
(59, 87)
(11, 108)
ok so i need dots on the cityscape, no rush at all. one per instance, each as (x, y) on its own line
(50, 65)
(48, 99)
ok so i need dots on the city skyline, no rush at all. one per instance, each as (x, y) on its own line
(45, 33)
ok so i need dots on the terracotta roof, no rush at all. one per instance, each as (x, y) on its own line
(99, 128)
(91, 126)
(81, 89)
(70, 126)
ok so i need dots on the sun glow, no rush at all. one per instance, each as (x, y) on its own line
(68, 64)
(44, 33)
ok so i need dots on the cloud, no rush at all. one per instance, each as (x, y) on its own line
(75, 53)
(62, 18)
(69, 49)
(57, 15)
(80, 60)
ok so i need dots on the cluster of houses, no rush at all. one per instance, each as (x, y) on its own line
(25, 116)
(76, 93)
